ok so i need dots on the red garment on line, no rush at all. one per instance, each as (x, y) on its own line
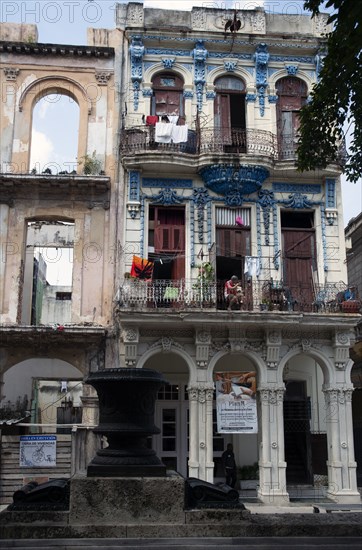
(151, 120)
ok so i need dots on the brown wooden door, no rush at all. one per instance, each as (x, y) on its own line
(299, 256)
(169, 238)
(292, 93)
(222, 118)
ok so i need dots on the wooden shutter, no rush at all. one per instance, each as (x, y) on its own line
(169, 238)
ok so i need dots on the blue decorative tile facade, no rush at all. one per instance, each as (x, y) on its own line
(261, 66)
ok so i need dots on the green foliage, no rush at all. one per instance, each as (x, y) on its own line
(337, 98)
(204, 278)
(91, 165)
(250, 471)
(14, 411)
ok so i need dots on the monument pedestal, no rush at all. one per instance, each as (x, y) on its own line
(127, 500)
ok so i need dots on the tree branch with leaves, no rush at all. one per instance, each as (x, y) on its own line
(336, 100)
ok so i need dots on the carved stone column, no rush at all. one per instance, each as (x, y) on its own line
(342, 480)
(272, 465)
(90, 409)
(130, 336)
(201, 462)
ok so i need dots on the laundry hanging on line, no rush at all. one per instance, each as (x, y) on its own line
(252, 266)
(141, 268)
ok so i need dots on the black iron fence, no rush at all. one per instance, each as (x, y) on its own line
(257, 295)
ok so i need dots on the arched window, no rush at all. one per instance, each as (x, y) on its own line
(292, 95)
(167, 99)
(229, 112)
(54, 138)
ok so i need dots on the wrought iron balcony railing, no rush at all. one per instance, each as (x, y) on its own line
(258, 295)
(142, 139)
(205, 140)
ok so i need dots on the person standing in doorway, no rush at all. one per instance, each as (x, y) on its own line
(229, 465)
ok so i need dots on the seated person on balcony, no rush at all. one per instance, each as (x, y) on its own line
(350, 293)
(233, 292)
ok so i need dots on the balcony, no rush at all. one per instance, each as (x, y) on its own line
(209, 140)
(141, 139)
(258, 295)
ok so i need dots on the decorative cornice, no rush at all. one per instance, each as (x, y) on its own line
(61, 50)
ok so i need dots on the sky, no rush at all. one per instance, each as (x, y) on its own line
(66, 22)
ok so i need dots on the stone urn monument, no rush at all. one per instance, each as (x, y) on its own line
(127, 399)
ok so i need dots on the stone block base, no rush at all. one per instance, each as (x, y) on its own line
(127, 500)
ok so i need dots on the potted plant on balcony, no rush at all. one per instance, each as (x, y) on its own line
(91, 165)
(265, 305)
(248, 476)
(203, 285)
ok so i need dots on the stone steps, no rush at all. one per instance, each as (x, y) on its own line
(243, 543)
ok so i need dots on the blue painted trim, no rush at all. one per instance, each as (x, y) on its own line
(147, 92)
(324, 238)
(266, 201)
(168, 62)
(188, 94)
(167, 182)
(142, 228)
(250, 97)
(291, 69)
(276, 238)
(272, 98)
(261, 66)
(312, 188)
(137, 51)
(230, 66)
(192, 234)
(134, 185)
(209, 224)
(234, 181)
(258, 228)
(330, 193)
(199, 54)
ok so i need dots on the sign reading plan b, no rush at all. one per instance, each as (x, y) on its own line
(38, 451)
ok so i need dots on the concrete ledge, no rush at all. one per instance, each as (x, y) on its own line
(263, 525)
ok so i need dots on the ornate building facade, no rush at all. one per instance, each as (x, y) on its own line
(208, 145)
(196, 129)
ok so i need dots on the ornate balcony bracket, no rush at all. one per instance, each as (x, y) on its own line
(228, 179)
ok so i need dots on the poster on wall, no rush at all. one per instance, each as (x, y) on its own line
(236, 402)
(38, 451)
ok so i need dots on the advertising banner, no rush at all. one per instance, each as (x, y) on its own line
(38, 451)
(236, 402)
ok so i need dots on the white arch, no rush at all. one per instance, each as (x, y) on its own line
(67, 86)
(158, 67)
(238, 73)
(253, 356)
(282, 73)
(323, 361)
(177, 351)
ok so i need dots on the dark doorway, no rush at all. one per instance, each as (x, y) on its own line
(297, 438)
